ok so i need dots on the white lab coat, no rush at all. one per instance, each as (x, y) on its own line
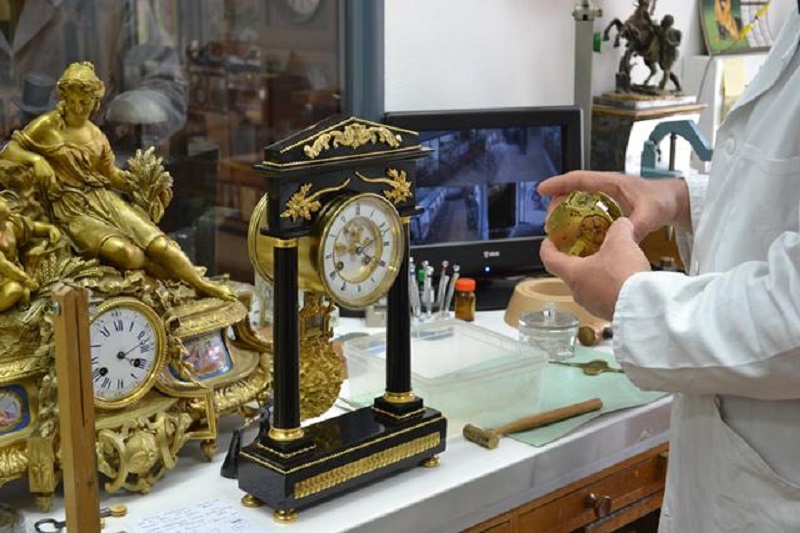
(726, 339)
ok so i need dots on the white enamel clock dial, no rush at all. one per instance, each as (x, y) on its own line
(361, 249)
(127, 350)
(302, 10)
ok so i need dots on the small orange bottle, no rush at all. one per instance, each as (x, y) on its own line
(464, 302)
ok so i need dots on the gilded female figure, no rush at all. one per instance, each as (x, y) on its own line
(73, 163)
(15, 232)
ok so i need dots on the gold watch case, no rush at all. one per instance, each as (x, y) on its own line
(138, 307)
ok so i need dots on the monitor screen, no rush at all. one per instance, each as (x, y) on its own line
(477, 188)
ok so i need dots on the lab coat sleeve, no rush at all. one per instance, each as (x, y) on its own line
(697, 184)
(733, 333)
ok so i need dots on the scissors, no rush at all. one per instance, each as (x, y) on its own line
(591, 368)
(51, 525)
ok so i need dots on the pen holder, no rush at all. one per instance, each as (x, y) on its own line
(431, 293)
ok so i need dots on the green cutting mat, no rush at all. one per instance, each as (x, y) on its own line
(564, 385)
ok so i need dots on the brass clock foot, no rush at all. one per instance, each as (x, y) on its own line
(209, 448)
(285, 516)
(248, 500)
(44, 501)
(430, 462)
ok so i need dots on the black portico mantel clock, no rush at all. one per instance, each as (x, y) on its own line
(334, 221)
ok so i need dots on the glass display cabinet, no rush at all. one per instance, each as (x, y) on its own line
(209, 83)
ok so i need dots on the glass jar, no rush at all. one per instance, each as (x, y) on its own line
(549, 331)
(464, 302)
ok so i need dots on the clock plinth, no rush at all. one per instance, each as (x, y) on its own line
(350, 451)
(335, 220)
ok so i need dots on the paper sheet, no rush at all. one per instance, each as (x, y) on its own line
(213, 516)
(733, 82)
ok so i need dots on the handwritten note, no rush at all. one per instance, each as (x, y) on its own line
(213, 516)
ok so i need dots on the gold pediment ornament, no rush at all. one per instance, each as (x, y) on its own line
(339, 139)
(352, 136)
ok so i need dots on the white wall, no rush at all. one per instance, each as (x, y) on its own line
(450, 54)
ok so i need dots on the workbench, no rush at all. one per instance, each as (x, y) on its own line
(603, 475)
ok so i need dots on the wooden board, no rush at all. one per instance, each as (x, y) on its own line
(76, 410)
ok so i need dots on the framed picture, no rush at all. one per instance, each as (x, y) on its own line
(735, 26)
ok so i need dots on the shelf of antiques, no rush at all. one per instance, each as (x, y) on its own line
(171, 349)
(622, 117)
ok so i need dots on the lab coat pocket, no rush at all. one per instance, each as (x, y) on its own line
(769, 165)
(751, 495)
(776, 183)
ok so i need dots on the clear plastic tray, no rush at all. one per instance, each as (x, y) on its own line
(471, 374)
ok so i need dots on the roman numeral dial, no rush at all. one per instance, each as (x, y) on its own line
(127, 350)
(360, 250)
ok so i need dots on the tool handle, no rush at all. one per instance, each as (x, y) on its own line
(548, 417)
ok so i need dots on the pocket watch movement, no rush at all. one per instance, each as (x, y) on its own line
(578, 224)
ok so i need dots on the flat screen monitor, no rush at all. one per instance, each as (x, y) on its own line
(477, 189)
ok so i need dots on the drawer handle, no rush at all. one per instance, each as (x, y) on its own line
(601, 505)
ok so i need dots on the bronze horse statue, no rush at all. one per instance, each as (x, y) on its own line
(655, 43)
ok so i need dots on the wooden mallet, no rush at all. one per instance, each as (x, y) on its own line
(490, 438)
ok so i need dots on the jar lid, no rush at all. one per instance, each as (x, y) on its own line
(548, 318)
(465, 284)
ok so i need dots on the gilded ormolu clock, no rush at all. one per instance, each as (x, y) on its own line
(334, 222)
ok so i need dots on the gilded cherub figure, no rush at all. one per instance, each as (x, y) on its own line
(74, 167)
(17, 231)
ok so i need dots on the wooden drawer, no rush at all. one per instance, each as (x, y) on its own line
(600, 503)
(596, 499)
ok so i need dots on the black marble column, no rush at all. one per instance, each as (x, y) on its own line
(399, 400)
(398, 327)
(285, 339)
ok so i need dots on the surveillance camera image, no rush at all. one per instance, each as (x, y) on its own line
(480, 184)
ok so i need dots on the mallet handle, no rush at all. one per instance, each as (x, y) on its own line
(548, 417)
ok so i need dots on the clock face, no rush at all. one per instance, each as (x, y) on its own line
(127, 349)
(361, 249)
(300, 10)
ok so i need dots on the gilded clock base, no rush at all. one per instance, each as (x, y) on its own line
(248, 500)
(137, 448)
(285, 516)
(430, 462)
(44, 501)
(209, 448)
(348, 451)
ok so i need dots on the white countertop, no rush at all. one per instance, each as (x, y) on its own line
(471, 485)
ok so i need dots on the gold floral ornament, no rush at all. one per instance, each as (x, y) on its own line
(153, 190)
(353, 135)
(302, 206)
(400, 186)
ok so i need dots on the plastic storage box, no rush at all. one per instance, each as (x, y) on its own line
(470, 374)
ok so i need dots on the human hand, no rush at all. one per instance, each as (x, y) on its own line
(595, 281)
(650, 204)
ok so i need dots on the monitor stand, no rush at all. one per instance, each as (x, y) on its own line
(493, 294)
